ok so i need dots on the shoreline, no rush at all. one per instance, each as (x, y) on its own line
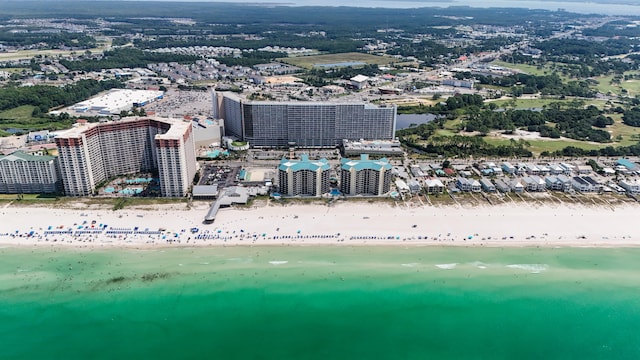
(342, 224)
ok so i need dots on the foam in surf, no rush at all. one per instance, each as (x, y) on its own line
(532, 268)
(447, 266)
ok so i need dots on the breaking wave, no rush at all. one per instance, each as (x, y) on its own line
(532, 268)
(447, 266)
(278, 262)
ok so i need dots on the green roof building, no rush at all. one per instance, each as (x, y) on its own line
(365, 176)
(22, 173)
(304, 177)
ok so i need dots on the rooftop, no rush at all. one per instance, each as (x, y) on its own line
(22, 156)
(303, 164)
(365, 163)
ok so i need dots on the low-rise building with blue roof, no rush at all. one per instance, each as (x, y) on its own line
(365, 176)
(631, 166)
(304, 177)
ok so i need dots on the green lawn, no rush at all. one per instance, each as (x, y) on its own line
(20, 118)
(631, 86)
(629, 133)
(539, 103)
(527, 69)
(14, 70)
(308, 61)
(538, 146)
(20, 113)
(28, 54)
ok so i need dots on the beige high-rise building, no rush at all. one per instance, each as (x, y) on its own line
(24, 173)
(93, 153)
(365, 176)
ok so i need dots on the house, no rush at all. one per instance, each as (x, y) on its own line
(595, 186)
(534, 183)
(507, 168)
(502, 186)
(532, 169)
(558, 183)
(416, 171)
(487, 185)
(434, 186)
(359, 81)
(402, 186)
(632, 186)
(516, 186)
(521, 169)
(414, 186)
(544, 170)
(487, 171)
(567, 169)
(449, 171)
(553, 183)
(631, 166)
(566, 182)
(555, 169)
(581, 185)
(475, 185)
(617, 188)
(584, 169)
(465, 184)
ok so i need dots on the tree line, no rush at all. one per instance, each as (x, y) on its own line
(574, 123)
(125, 58)
(46, 97)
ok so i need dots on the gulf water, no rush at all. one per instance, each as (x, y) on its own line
(320, 303)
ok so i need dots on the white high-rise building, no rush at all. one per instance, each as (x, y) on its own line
(93, 153)
(303, 123)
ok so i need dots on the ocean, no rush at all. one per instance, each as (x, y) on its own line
(315, 302)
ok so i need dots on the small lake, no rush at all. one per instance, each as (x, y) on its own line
(403, 121)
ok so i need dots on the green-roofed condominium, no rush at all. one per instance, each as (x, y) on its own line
(22, 173)
(365, 176)
(304, 177)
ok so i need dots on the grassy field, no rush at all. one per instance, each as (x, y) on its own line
(20, 114)
(20, 118)
(308, 62)
(540, 145)
(630, 135)
(539, 103)
(28, 54)
(631, 86)
(527, 69)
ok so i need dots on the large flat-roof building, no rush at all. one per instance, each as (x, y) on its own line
(304, 177)
(365, 176)
(303, 123)
(29, 174)
(116, 100)
(95, 152)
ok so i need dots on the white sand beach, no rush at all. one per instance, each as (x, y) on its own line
(354, 223)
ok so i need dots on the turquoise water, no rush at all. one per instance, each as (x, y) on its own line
(320, 303)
